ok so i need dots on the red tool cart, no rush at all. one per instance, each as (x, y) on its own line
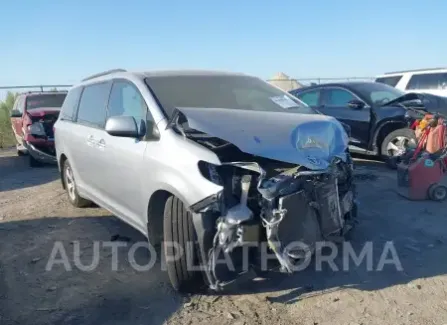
(423, 175)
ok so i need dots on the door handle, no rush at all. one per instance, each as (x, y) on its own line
(91, 140)
(101, 143)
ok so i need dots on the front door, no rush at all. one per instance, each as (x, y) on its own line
(125, 156)
(335, 103)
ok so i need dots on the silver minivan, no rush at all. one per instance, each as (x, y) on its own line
(209, 161)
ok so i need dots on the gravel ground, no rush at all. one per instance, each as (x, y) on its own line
(34, 215)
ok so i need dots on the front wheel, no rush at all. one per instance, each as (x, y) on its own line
(180, 247)
(395, 145)
(70, 186)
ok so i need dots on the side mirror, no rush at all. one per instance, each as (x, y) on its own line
(356, 104)
(122, 126)
(16, 113)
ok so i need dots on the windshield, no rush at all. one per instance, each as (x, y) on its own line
(222, 91)
(378, 93)
(47, 100)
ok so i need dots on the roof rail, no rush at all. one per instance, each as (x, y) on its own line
(96, 75)
(416, 70)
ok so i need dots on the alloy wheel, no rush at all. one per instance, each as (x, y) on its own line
(398, 145)
(70, 183)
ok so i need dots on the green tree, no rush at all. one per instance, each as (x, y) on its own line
(6, 135)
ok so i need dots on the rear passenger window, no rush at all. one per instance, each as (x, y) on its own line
(390, 81)
(428, 81)
(70, 104)
(92, 106)
(126, 100)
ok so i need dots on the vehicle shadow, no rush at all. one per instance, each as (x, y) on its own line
(410, 234)
(34, 290)
(15, 173)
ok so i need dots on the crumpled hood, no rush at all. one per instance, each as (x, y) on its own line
(42, 111)
(311, 140)
(432, 103)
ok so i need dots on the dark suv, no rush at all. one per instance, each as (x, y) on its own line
(376, 114)
(32, 119)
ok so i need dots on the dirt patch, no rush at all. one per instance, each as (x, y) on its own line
(34, 215)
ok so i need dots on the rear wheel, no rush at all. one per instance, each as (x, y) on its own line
(180, 248)
(70, 186)
(395, 144)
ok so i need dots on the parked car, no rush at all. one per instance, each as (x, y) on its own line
(32, 118)
(431, 81)
(374, 112)
(209, 161)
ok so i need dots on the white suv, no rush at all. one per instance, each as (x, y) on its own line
(432, 81)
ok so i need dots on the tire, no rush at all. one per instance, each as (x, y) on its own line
(405, 135)
(70, 186)
(437, 192)
(20, 153)
(179, 230)
(33, 162)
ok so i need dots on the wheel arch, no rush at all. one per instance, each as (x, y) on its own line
(155, 214)
(384, 129)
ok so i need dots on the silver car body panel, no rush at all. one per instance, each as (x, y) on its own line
(310, 140)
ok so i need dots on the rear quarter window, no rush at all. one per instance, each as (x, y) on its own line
(390, 81)
(431, 81)
(70, 104)
(92, 106)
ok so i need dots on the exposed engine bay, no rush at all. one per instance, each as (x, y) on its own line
(288, 206)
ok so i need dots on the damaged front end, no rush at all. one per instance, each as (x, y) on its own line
(287, 181)
(39, 136)
(290, 211)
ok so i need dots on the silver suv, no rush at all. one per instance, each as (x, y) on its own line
(207, 162)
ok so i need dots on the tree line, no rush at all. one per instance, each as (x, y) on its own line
(6, 134)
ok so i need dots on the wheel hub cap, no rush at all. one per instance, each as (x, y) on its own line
(398, 145)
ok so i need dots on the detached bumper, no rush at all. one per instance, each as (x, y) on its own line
(39, 154)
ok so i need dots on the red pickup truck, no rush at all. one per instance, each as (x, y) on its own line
(32, 119)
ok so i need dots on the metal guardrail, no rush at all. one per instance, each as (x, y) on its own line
(41, 87)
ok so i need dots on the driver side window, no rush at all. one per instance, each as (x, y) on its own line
(338, 97)
(311, 98)
(126, 100)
